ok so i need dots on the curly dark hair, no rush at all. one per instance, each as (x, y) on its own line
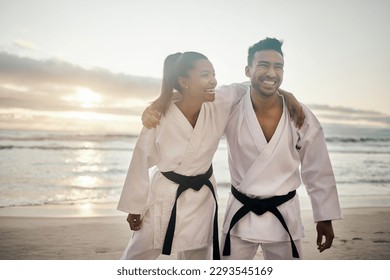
(266, 44)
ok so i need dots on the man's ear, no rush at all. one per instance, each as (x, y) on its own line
(247, 71)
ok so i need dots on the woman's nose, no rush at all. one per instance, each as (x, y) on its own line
(213, 81)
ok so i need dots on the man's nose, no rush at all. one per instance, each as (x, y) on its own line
(271, 72)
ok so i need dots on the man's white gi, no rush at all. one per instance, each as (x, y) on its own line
(176, 146)
(260, 169)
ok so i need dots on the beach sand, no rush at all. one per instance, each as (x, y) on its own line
(364, 233)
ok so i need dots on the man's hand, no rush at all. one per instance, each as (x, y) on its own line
(324, 228)
(134, 221)
(294, 108)
(150, 117)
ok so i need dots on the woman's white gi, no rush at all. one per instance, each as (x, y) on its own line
(176, 146)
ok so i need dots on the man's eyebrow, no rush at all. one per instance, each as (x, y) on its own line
(268, 62)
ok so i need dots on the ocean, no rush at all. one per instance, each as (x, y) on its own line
(47, 168)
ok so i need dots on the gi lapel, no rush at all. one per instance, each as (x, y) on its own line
(195, 137)
(265, 150)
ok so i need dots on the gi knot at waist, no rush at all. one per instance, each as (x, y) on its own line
(190, 182)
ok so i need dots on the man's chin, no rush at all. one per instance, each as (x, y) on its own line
(268, 92)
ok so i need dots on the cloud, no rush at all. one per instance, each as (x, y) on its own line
(44, 93)
(25, 45)
(350, 115)
(50, 80)
(50, 94)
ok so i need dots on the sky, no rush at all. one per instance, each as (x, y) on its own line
(94, 65)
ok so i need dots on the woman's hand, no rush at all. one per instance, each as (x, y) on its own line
(134, 221)
(150, 117)
(294, 108)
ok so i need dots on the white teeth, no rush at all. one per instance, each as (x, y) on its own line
(269, 82)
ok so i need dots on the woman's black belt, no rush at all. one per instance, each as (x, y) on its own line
(195, 183)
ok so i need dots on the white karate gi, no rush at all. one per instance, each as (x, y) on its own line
(260, 169)
(176, 146)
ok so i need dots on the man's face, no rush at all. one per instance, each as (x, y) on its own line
(266, 72)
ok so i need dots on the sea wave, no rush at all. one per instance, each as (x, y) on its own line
(372, 181)
(10, 147)
(360, 152)
(356, 140)
(68, 137)
(84, 196)
(55, 203)
(126, 137)
(130, 148)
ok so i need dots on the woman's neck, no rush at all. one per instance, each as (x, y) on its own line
(190, 109)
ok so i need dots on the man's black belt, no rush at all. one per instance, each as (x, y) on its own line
(195, 183)
(259, 207)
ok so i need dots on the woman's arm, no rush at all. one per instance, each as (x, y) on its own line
(294, 107)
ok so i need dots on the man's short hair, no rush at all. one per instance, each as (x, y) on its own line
(266, 44)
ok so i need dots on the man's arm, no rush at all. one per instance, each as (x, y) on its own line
(319, 180)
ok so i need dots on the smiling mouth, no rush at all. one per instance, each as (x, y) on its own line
(210, 90)
(269, 82)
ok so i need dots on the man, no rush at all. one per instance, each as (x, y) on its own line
(266, 151)
(268, 155)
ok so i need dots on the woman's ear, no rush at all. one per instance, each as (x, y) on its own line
(183, 82)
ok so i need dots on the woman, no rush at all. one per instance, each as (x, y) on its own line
(184, 143)
(174, 206)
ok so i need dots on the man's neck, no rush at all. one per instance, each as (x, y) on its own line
(262, 103)
(268, 110)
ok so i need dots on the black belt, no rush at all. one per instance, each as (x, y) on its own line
(259, 207)
(195, 183)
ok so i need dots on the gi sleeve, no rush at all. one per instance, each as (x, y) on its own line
(230, 95)
(317, 173)
(135, 191)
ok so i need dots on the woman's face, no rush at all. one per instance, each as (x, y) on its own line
(200, 82)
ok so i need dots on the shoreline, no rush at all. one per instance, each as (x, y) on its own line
(363, 233)
(109, 209)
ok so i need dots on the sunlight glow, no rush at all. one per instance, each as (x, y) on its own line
(88, 98)
(85, 97)
(87, 116)
(86, 209)
(86, 181)
(69, 121)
